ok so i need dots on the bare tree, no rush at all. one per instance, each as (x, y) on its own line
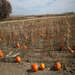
(5, 8)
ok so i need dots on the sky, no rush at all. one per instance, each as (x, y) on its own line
(37, 7)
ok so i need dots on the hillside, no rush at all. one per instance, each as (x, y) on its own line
(41, 36)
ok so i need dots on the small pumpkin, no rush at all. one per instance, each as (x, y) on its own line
(58, 66)
(72, 51)
(42, 35)
(18, 45)
(1, 53)
(25, 47)
(34, 67)
(42, 66)
(18, 59)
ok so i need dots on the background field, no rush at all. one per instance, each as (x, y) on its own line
(27, 30)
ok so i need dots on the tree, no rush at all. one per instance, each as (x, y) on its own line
(5, 8)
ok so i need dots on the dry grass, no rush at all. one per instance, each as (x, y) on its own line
(39, 49)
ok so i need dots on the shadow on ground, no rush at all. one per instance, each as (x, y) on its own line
(9, 60)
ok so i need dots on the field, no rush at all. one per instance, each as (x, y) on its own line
(41, 35)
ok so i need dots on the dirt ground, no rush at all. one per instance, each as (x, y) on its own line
(19, 69)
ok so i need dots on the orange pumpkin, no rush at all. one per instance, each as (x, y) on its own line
(1, 53)
(34, 67)
(18, 45)
(18, 59)
(72, 51)
(58, 66)
(42, 35)
(25, 47)
(42, 66)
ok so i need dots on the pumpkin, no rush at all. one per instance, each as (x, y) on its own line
(25, 47)
(34, 67)
(58, 66)
(42, 66)
(72, 51)
(18, 59)
(18, 45)
(42, 35)
(1, 53)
